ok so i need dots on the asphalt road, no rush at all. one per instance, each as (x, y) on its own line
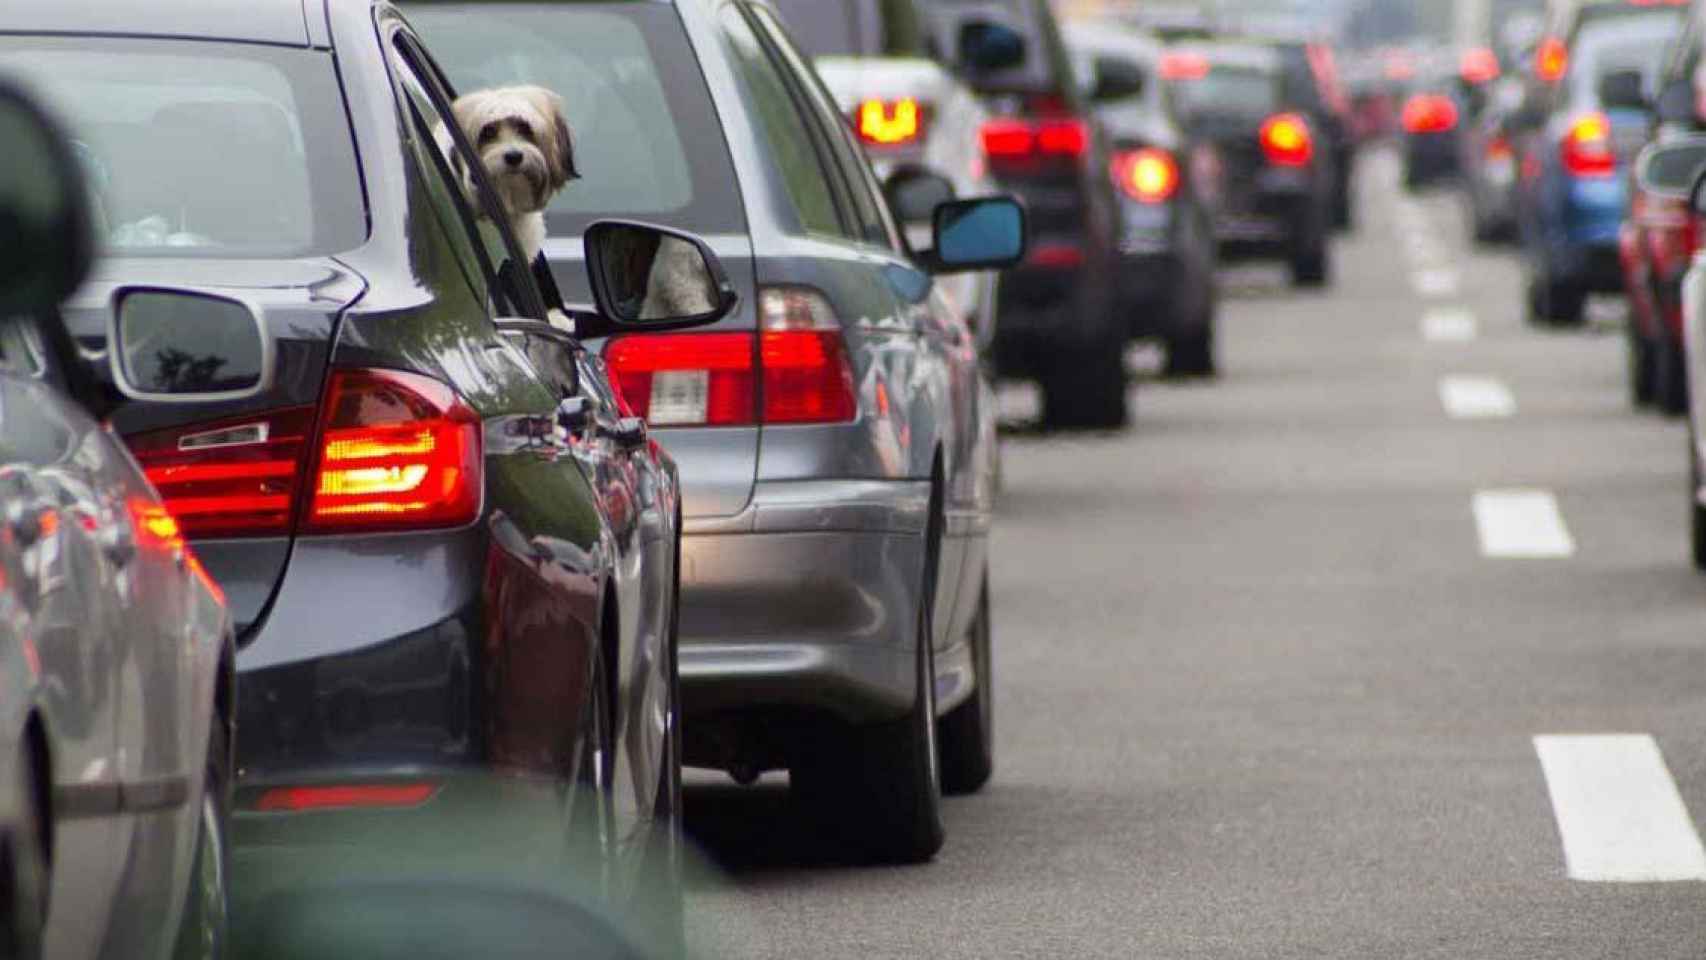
(1262, 690)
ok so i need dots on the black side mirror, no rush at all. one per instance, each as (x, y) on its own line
(46, 234)
(654, 278)
(987, 46)
(1622, 90)
(1669, 169)
(983, 234)
(1116, 79)
(1676, 103)
(180, 346)
(915, 192)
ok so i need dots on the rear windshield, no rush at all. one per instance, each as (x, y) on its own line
(634, 98)
(200, 149)
(855, 28)
(1229, 91)
(1629, 44)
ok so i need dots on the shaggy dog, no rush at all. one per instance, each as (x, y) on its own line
(524, 144)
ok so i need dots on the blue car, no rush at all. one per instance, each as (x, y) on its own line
(1575, 168)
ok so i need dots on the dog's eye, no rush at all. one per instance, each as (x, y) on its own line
(524, 129)
(488, 133)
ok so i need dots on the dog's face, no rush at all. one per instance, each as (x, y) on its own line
(523, 143)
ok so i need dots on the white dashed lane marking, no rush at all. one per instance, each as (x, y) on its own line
(1476, 398)
(1521, 525)
(1449, 326)
(1619, 813)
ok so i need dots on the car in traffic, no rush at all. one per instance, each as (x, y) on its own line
(1277, 196)
(1312, 85)
(116, 648)
(450, 556)
(1674, 167)
(1060, 320)
(835, 441)
(881, 60)
(1430, 124)
(1167, 284)
(1575, 165)
(1487, 161)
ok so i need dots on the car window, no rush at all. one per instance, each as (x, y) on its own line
(271, 172)
(867, 203)
(784, 130)
(1229, 91)
(646, 135)
(856, 28)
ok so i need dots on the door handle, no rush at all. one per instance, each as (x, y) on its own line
(629, 433)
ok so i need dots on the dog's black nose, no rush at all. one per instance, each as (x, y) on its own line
(514, 158)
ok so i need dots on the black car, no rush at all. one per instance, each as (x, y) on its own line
(450, 573)
(1167, 245)
(1060, 322)
(1276, 171)
(1313, 87)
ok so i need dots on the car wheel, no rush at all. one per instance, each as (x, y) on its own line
(1555, 302)
(1311, 266)
(1641, 366)
(592, 814)
(1696, 512)
(1670, 378)
(1086, 389)
(966, 736)
(24, 874)
(1344, 211)
(203, 930)
(882, 794)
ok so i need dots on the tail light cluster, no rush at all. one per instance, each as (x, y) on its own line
(387, 450)
(890, 123)
(1587, 152)
(1147, 175)
(794, 370)
(1429, 113)
(1551, 59)
(1178, 65)
(1478, 66)
(1014, 144)
(1287, 141)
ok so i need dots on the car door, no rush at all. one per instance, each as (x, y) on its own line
(946, 389)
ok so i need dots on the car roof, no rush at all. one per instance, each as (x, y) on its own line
(282, 22)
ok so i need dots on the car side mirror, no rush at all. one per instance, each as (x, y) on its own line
(915, 192)
(987, 45)
(1675, 103)
(183, 346)
(46, 233)
(653, 278)
(1116, 79)
(1622, 90)
(1669, 169)
(982, 234)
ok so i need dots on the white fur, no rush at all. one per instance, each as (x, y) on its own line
(526, 150)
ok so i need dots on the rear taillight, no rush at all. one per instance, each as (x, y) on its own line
(397, 451)
(1587, 149)
(1429, 113)
(1499, 149)
(1184, 66)
(1147, 175)
(1286, 141)
(1551, 59)
(797, 371)
(1478, 65)
(229, 478)
(345, 797)
(1013, 144)
(889, 123)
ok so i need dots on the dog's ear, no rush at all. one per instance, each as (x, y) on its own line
(562, 148)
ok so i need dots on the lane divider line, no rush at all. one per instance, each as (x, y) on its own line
(1476, 398)
(1521, 525)
(1449, 325)
(1619, 813)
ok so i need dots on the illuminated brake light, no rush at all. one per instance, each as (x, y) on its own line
(1007, 139)
(1429, 113)
(345, 797)
(890, 122)
(1147, 175)
(1184, 66)
(1009, 142)
(1286, 141)
(1478, 66)
(398, 451)
(229, 478)
(1587, 149)
(1067, 138)
(1551, 60)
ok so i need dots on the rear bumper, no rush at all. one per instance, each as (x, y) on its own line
(1430, 156)
(807, 600)
(1281, 209)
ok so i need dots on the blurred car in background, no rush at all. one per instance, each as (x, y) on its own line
(1312, 86)
(1575, 164)
(880, 60)
(116, 648)
(1277, 178)
(1487, 162)
(1430, 124)
(1167, 244)
(1060, 324)
(1665, 166)
(836, 443)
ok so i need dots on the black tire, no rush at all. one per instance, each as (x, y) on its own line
(1670, 378)
(25, 873)
(1086, 389)
(1191, 355)
(882, 794)
(1311, 267)
(204, 930)
(1696, 512)
(1344, 210)
(1555, 302)
(966, 735)
(1642, 367)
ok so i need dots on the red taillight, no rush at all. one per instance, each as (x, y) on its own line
(1011, 143)
(1551, 59)
(229, 478)
(397, 451)
(1499, 149)
(889, 123)
(1147, 175)
(1478, 65)
(798, 373)
(1184, 66)
(1006, 138)
(1587, 149)
(1287, 142)
(1429, 113)
(345, 797)
(1063, 138)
